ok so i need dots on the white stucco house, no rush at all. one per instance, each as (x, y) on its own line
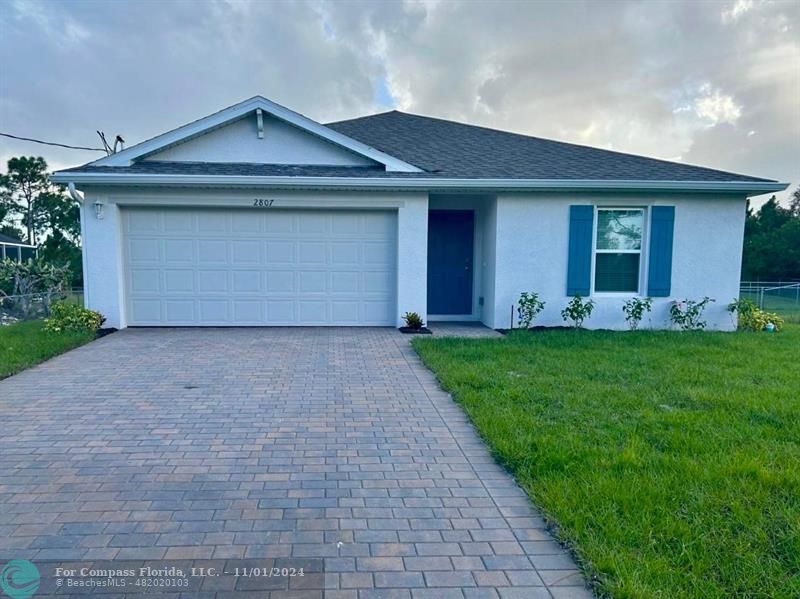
(257, 215)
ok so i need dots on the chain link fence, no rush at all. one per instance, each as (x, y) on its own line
(782, 297)
(34, 306)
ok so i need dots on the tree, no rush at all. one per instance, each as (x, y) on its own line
(20, 189)
(50, 216)
(794, 203)
(772, 241)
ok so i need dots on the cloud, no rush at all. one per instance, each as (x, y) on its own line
(716, 107)
(678, 80)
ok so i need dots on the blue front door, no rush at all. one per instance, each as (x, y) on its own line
(450, 234)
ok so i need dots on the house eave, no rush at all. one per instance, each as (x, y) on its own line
(416, 183)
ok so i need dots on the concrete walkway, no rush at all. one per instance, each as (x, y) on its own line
(332, 449)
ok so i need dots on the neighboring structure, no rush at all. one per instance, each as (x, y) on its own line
(14, 249)
(257, 215)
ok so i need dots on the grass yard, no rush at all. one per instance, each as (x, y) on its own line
(669, 462)
(25, 344)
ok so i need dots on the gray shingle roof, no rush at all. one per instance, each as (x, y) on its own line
(9, 239)
(158, 167)
(452, 149)
(447, 149)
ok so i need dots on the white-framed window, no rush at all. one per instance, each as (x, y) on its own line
(618, 250)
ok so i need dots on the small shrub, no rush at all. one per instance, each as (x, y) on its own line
(528, 307)
(688, 314)
(577, 311)
(752, 318)
(635, 309)
(413, 320)
(66, 316)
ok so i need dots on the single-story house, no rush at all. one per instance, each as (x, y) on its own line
(14, 249)
(257, 215)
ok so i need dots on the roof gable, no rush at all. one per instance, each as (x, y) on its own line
(279, 143)
(270, 110)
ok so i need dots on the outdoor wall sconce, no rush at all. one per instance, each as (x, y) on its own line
(98, 209)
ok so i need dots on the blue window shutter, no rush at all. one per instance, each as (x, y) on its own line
(579, 265)
(659, 274)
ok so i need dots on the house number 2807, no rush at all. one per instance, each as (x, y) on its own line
(262, 203)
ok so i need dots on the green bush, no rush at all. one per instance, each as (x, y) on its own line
(752, 318)
(413, 320)
(66, 316)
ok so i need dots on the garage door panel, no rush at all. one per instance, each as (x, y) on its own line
(248, 312)
(178, 250)
(145, 281)
(280, 311)
(346, 312)
(207, 267)
(344, 224)
(146, 310)
(212, 281)
(344, 253)
(213, 222)
(144, 250)
(280, 252)
(211, 251)
(313, 282)
(179, 281)
(378, 282)
(213, 311)
(180, 311)
(310, 252)
(280, 281)
(280, 222)
(144, 222)
(246, 252)
(246, 281)
(242, 222)
(178, 222)
(316, 223)
(345, 282)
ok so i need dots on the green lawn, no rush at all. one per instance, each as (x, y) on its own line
(669, 462)
(24, 344)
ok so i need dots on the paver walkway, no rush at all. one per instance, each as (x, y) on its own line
(332, 447)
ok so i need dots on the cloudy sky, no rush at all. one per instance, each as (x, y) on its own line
(708, 82)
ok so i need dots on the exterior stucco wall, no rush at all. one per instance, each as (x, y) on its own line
(532, 243)
(103, 242)
(282, 144)
(102, 259)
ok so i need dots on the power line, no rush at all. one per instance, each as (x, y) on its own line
(51, 143)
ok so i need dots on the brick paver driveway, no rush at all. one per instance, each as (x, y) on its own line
(332, 447)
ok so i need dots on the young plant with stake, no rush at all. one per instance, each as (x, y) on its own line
(635, 309)
(577, 311)
(687, 315)
(528, 308)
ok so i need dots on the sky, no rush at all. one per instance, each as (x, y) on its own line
(708, 82)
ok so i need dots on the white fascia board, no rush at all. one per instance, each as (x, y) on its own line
(17, 245)
(186, 132)
(413, 183)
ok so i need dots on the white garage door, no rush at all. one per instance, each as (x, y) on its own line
(206, 267)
